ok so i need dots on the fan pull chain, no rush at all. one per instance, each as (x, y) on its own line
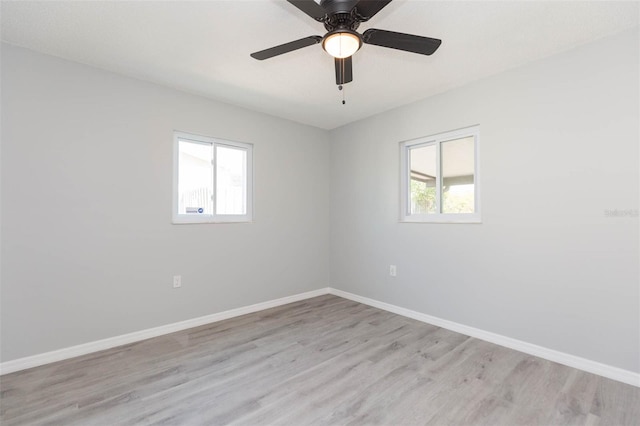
(342, 90)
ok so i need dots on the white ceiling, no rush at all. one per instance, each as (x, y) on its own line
(203, 47)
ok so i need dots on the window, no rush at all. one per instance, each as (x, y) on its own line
(212, 180)
(439, 181)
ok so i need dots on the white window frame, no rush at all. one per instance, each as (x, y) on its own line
(213, 218)
(405, 178)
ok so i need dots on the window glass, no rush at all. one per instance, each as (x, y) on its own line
(231, 180)
(458, 170)
(195, 178)
(423, 174)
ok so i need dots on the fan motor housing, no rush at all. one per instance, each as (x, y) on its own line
(341, 21)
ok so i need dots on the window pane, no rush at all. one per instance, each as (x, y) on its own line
(422, 169)
(195, 178)
(231, 180)
(458, 171)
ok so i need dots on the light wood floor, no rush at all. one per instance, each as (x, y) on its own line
(322, 361)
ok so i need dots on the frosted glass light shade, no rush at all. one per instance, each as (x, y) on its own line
(341, 44)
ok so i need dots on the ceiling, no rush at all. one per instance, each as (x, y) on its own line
(203, 47)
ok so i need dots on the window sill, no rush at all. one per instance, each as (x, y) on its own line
(472, 219)
(209, 220)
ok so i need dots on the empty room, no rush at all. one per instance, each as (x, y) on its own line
(329, 212)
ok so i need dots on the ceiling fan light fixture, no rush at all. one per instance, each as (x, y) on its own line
(342, 43)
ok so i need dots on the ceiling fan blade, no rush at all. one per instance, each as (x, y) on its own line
(367, 8)
(401, 41)
(286, 48)
(344, 70)
(310, 7)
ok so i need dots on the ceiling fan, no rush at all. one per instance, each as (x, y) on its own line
(341, 18)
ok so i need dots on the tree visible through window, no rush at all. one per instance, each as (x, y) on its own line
(423, 197)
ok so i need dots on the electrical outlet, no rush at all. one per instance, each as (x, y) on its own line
(392, 270)
(177, 281)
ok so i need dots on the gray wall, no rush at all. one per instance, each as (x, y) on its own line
(559, 146)
(88, 248)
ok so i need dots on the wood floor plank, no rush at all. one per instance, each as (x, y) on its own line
(320, 361)
(609, 397)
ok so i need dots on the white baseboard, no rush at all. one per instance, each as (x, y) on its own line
(112, 342)
(584, 364)
(604, 370)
